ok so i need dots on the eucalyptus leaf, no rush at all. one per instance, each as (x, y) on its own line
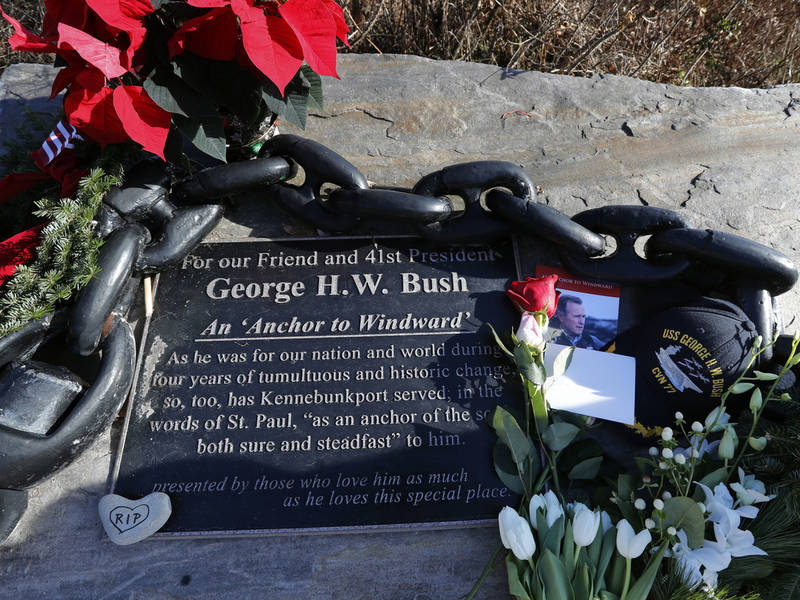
(684, 513)
(559, 435)
(562, 361)
(505, 468)
(712, 479)
(207, 135)
(509, 432)
(586, 469)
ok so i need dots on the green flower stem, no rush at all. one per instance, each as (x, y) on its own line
(757, 416)
(722, 402)
(627, 579)
(486, 570)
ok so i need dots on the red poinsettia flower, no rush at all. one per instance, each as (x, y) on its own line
(276, 38)
(535, 294)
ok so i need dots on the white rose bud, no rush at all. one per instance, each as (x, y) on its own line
(671, 530)
(663, 466)
(680, 459)
(679, 416)
(658, 504)
(697, 427)
(666, 495)
(530, 331)
(653, 451)
(666, 453)
(639, 504)
(649, 523)
(666, 434)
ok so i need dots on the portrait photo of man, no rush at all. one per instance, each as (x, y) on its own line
(571, 314)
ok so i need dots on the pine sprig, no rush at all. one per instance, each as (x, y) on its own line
(66, 259)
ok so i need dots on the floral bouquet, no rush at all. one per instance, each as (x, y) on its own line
(689, 523)
(190, 82)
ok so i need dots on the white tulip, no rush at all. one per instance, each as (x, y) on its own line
(516, 534)
(629, 544)
(584, 527)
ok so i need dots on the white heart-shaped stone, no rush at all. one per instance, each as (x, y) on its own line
(129, 521)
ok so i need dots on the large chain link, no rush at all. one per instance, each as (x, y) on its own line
(469, 203)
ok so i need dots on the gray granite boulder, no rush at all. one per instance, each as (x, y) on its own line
(724, 158)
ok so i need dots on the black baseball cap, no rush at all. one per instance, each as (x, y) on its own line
(686, 357)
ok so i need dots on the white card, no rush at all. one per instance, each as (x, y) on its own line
(596, 384)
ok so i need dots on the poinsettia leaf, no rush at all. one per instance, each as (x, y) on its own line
(96, 53)
(315, 28)
(208, 3)
(338, 16)
(64, 77)
(292, 107)
(225, 83)
(143, 120)
(175, 96)
(126, 15)
(59, 11)
(89, 107)
(211, 35)
(25, 41)
(315, 101)
(207, 135)
(270, 43)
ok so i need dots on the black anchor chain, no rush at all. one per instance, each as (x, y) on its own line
(471, 203)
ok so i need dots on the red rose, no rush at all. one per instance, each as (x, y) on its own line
(535, 293)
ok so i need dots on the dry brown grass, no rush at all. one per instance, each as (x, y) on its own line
(748, 43)
(692, 42)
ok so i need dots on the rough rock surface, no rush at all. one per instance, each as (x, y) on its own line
(724, 158)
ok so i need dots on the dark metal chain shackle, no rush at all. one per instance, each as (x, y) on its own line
(145, 232)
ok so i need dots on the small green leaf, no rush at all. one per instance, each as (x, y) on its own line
(508, 430)
(500, 343)
(515, 571)
(586, 469)
(530, 366)
(684, 513)
(505, 468)
(741, 387)
(559, 435)
(562, 361)
(207, 135)
(761, 376)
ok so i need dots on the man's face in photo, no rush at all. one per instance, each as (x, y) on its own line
(573, 318)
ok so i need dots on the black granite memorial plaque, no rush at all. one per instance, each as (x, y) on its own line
(322, 383)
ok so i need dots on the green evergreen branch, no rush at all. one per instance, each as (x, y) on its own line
(66, 259)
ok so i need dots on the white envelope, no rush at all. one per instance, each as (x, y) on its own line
(596, 384)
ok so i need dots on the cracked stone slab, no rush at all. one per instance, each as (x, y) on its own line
(723, 158)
